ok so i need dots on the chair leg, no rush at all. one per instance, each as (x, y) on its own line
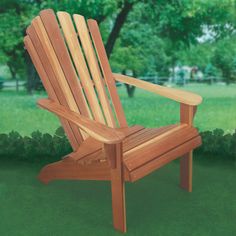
(114, 154)
(118, 204)
(186, 171)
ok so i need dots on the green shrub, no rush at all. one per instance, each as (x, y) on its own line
(39, 147)
(218, 145)
(47, 148)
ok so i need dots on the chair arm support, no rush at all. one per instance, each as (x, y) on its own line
(95, 129)
(181, 96)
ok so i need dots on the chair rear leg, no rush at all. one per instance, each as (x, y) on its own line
(186, 163)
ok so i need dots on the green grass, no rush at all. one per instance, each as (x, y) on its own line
(19, 111)
(155, 204)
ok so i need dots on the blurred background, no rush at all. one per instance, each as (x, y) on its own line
(186, 44)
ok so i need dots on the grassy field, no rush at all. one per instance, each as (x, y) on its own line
(19, 111)
(84, 207)
(155, 204)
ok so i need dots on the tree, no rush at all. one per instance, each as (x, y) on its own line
(224, 58)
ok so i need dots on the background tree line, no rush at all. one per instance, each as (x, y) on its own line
(142, 37)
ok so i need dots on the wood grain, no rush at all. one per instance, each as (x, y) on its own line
(114, 154)
(96, 130)
(80, 64)
(94, 67)
(49, 88)
(171, 93)
(107, 73)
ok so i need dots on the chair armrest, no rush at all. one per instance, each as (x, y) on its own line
(95, 129)
(181, 96)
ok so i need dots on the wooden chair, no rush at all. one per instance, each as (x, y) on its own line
(71, 61)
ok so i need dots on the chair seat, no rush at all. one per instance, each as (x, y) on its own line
(144, 149)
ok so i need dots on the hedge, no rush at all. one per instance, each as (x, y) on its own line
(48, 148)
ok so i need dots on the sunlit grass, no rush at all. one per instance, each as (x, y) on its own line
(19, 111)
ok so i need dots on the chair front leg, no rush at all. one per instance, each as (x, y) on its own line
(114, 155)
(187, 113)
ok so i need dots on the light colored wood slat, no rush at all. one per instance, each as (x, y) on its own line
(52, 58)
(186, 171)
(89, 146)
(130, 130)
(107, 73)
(46, 83)
(171, 93)
(156, 146)
(164, 159)
(51, 76)
(187, 113)
(71, 171)
(80, 64)
(54, 34)
(158, 138)
(136, 140)
(95, 129)
(94, 68)
(114, 155)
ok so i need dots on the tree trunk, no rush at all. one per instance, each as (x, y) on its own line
(119, 22)
(130, 88)
(31, 74)
(13, 75)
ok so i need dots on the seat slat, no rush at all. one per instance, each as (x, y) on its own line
(144, 136)
(107, 73)
(80, 64)
(51, 93)
(51, 76)
(164, 159)
(94, 67)
(158, 145)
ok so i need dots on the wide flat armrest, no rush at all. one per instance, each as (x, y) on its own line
(181, 96)
(95, 129)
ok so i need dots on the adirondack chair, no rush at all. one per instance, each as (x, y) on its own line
(71, 61)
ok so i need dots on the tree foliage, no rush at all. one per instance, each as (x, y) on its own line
(144, 37)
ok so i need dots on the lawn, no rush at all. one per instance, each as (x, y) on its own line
(19, 111)
(155, 204)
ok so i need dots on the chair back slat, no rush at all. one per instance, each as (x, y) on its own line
(107, 73)
(51, 76)
(80, 64)
(94, 67)
(55, 65)
(71, 61)
(53, 31)
(51, 93)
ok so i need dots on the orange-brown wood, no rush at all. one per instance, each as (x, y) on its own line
(71, 131)
(171, 93)
(164, 159)
(53, 31)
(187, 113)
(74, 69)
(51, 75)
(80, 64)
(114, 154)
(94, 67)
(107, 73)
(96, 130)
